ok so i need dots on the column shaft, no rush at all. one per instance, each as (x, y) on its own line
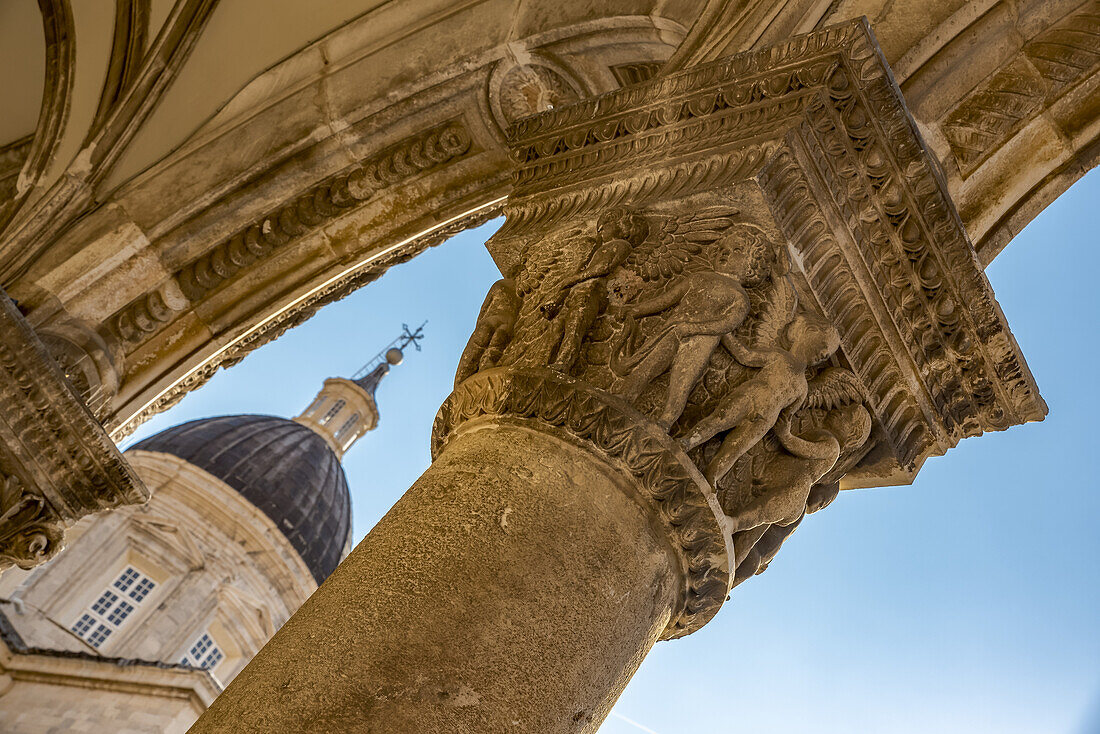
(516, 587)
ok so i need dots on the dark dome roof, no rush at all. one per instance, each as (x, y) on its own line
(281, 467)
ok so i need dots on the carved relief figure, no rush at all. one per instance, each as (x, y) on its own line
(778, 488)
(780, 485)
(762, 544)
(699, 308)
(493, 331)
(581, 296)
(754, 407)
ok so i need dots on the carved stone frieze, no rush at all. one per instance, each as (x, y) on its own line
(760, 257)
(149, 312)
(56, 462)
(259, 240)
(668, 480)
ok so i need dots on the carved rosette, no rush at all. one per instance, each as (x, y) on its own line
(758, 261)
(666, 478)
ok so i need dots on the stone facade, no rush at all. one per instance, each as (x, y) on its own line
(220, 567)
(44, 693)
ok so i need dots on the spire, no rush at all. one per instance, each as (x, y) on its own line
(345, 408)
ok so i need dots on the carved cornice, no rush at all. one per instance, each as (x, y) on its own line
(51, 448)
(302, 311)
(318, 206)
(688, 131)
(754, 79)
(667, 479)
(889, 199)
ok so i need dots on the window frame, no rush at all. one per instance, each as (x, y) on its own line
(348, 427)
(333, 411)
(205, 659)
(126, 591)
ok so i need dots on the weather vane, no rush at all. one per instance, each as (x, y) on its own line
(393, 352)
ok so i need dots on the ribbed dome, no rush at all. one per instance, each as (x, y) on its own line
(281, 467)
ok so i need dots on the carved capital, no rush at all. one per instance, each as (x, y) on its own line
(760, 258)
(667, 480)
(57, 464)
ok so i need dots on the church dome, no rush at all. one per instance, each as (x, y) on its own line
(283, 468)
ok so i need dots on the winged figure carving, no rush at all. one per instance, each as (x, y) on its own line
(708, 260)
(829, 434)
(678, 241)
(786, 344)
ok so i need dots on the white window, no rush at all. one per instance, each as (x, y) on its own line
(204, 653)
(100, 619)
(348, 427)
(315, 405)
(336, 408)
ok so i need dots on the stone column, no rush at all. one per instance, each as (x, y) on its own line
(728, 294)
(516, 587)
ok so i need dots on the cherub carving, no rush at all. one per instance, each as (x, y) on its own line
(762, 549)
(703, 304)
(760, 545)
(755, 406)
(782, 487)
(492, 332)
(580, 297)
(781, 484)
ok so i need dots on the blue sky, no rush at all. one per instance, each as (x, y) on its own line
(968, 602)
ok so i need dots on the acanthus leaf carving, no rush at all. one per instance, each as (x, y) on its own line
(30, 531)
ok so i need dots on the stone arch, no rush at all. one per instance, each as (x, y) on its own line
(183, 247)
(220, 246)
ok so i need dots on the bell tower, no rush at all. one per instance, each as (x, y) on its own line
(345, 408)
